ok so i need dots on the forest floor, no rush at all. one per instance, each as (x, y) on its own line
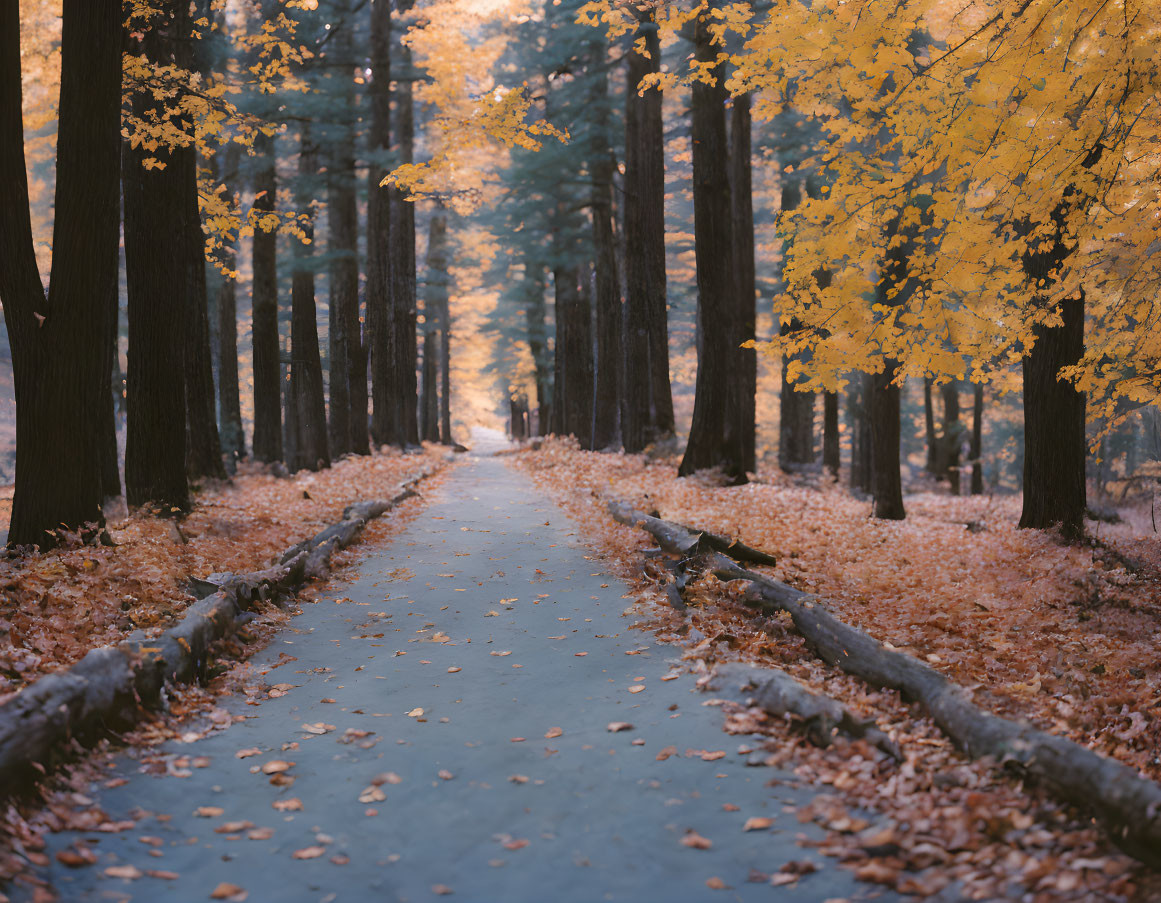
(537, 729)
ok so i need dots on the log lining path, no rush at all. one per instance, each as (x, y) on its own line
(491, 579)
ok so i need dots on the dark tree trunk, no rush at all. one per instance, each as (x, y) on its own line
(403, 424)
(859, 409)
(535, 317)
(58, 353)
(1054, 420)
(306, 377)
(610, 315)
(289, 416)
(107, 413)
(741, 194)
(715, 436)
(437, 303)
(229, 401)
(157, 277)
(932, 438)
(830, 433)
(379, 225)
(264, 304)
(518, 417)
(951, 434)
(203, 447)
(977, 439)
(886, 481)
(796, 419)
(575, 356)
(649, 399)
(429, 399)
(345, 419)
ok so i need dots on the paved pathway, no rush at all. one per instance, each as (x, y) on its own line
(487, 615)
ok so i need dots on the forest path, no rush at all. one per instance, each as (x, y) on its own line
(490, 579)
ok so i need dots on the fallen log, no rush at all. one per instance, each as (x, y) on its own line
(1126, 804)
(778, 693)
(111, 687)
(688, 541)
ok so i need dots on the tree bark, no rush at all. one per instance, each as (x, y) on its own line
(264, 305)
(610, 315)
(715, 436)
(649, 399)
(741, 195)
(158, 304)
(886, 480)
(830, 433)
(107, 413)
(932, 438)
(859, 407)
(438, 303)
(233, 438)
(306, 378)
(345, 339)
(403, 423)
(977, 439)
(535, 317)
(575, 355)
(951, 434)
(58, 355)
(379, 225)
(796, 419)
(429, 397)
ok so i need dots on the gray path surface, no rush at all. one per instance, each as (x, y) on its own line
(490, 579)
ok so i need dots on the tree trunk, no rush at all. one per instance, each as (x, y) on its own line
(741, 194)
(610, 315)
(1054, 420)
(264, 305)
(107, 413)
(977, 439)
(575, 355)
(159, 303)
(951, 434)
(429, 399)
(379, 224)
(535, 315)
(437, 302)
(233, 438)
(932, 438)
(886, 481)
(649, 399)
(715, 436)
(830, 433)
(859, 408)
(346, 419)
(403, 426)
(306, 378)
(58, 355)
(796, 420)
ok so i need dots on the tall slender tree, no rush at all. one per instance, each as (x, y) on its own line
(233, 438)
(264, 312)
(745, 273)
(58, 355)
(379, 312)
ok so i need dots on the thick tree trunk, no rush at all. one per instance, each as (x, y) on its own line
(1054, 420)
(535, 315)
(859, 407)
(157, 276)
(264, 305)
(830, 433)
(232, 435)
(796, 420)
(610, 314)
(977, 439)
(107, 413)
(715, 436)
(403, 424)
(58, 352)
(649, 399)
(379, 225)
(345, 417)
(429, 397)
(886, 481)
(951, 434)
(575, 356)
(741, 196)
(306, 377)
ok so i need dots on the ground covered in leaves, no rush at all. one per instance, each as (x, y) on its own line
(1062, 635)
(55, 607)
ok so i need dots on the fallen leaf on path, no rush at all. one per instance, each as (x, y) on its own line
(372, 795)
(128, 872)
(318, 727)
(500, 654)
(293, 804)
(553, 733)
(415, 713)
(518, 843)
(580, 654)
(758, 823)
(308, 853)
(209, 811)
(162, 874)
(277, 766)
(666, 753)
(329, 699)
(341, 859)
(441, 890)
(730, 807)
(76, 857)
(517, 739)
(233, 827)
(260, 834)
(454, 670)
(636, 688)
(518, 778)
(386, 777)
(715, 883)
(695, 841)
(445, 774)
(230, 892)
(617, 726)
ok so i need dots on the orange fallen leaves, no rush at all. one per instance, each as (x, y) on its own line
(229, 892)
(695, 841)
